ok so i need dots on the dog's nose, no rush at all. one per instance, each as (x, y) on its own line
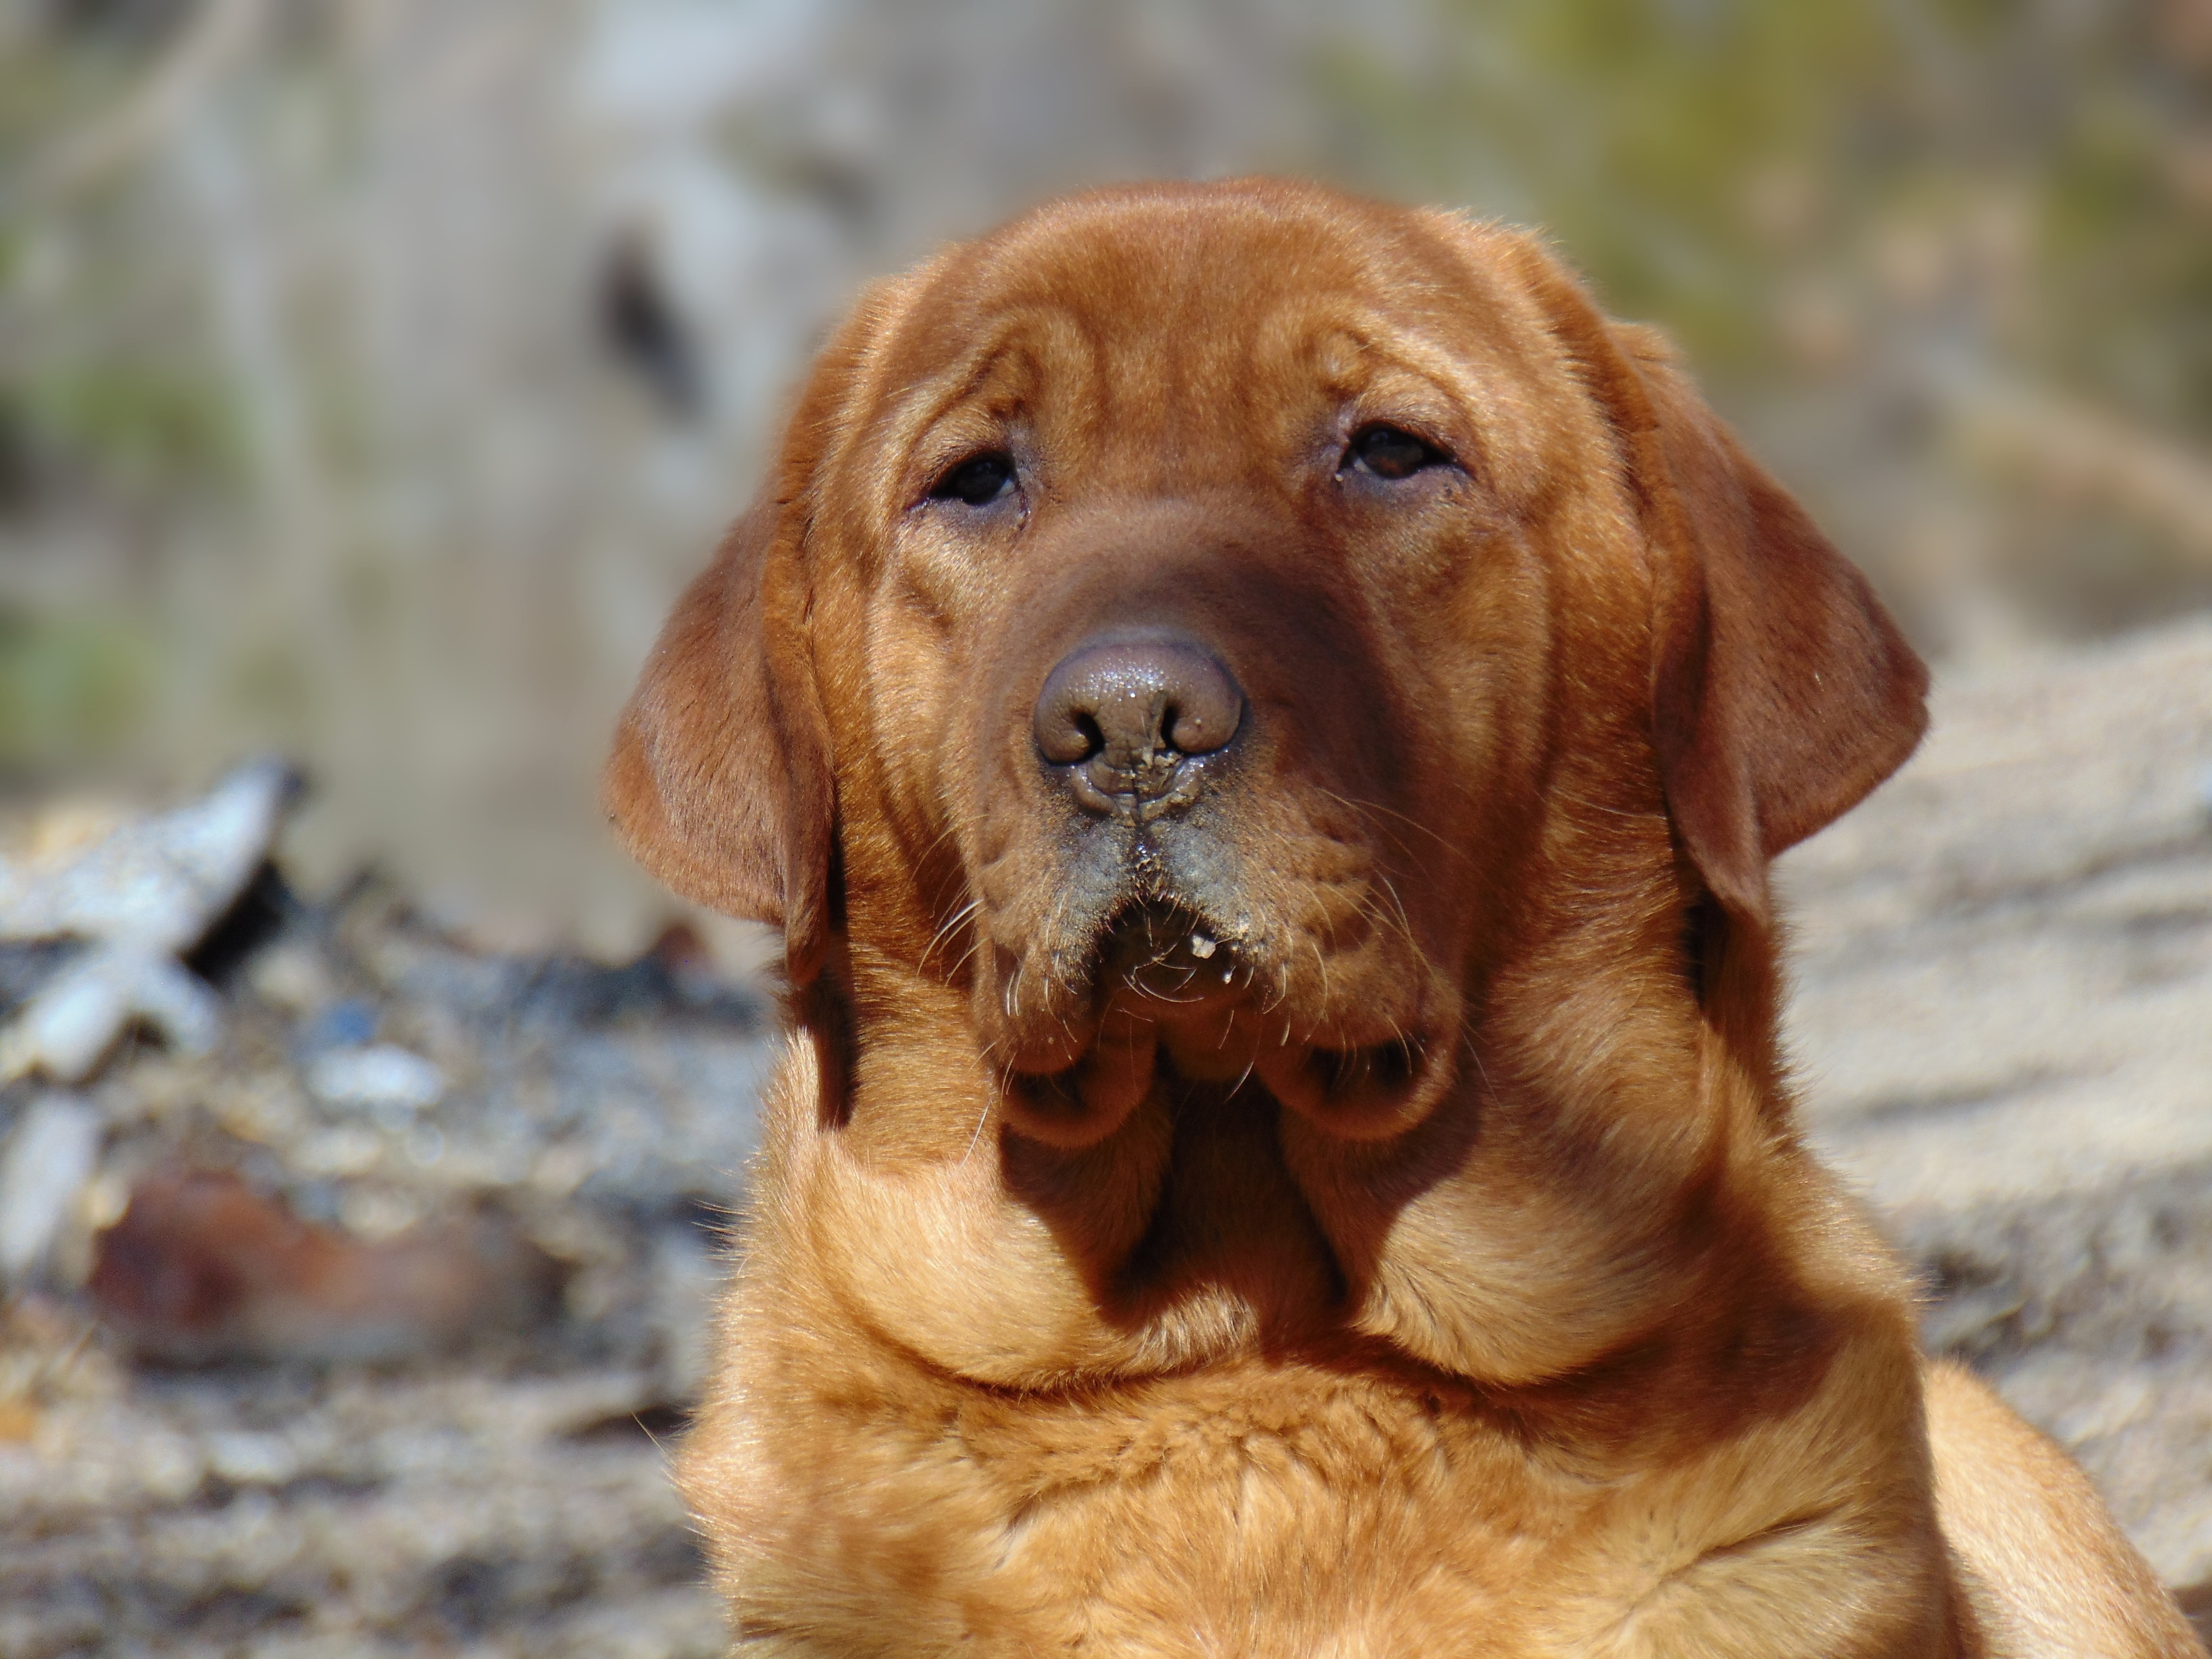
(1124, 712)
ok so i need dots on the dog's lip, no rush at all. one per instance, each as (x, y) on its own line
(1361, 1092)
(1163, 984)
(1171, 964)
(1165, 955)
(1160, 965)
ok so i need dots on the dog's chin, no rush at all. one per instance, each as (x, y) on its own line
(1167, 996)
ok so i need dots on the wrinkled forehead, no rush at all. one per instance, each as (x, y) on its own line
(1210, 271)
(1201, 321)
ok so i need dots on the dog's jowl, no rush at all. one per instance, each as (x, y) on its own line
(1263, 719)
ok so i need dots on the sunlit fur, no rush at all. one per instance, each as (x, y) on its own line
(1445, 1276)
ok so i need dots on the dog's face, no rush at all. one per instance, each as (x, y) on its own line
(1213, 638)
(1207, 648)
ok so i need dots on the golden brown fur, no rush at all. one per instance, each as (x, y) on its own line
(1442, 1273)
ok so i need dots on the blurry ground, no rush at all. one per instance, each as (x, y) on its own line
(509, 1501)
(2003, 1010)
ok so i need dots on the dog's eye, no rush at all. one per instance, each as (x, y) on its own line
(1386, 451)
(978, 481)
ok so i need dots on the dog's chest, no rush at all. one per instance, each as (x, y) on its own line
(1305, 1516)
(1272, 1512)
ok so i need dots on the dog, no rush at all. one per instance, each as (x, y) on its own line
(1263, 719)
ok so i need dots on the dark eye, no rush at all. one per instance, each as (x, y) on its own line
(978, 481)
(1388, 453)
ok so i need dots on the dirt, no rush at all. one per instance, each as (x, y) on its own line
(509, 1498)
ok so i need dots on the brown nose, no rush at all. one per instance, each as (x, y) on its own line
(1124, 712)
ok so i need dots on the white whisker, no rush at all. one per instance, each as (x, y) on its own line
(944, 933)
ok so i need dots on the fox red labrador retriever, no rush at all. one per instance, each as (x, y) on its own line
(1263, 719)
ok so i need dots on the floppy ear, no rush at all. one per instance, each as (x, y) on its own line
(1781, 690)
(720, 782)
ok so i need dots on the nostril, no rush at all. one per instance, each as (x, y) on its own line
(1208, 724)
(1129, 702)
(1068, 734)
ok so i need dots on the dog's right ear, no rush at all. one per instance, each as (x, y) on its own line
(720, 782)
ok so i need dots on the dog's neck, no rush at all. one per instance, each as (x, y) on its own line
(1534, 1227)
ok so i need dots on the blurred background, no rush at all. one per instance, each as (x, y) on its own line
(373, 372)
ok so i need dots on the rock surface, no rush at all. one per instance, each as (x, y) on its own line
(2003, 1015)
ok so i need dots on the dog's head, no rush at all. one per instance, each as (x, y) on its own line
(1222, 634)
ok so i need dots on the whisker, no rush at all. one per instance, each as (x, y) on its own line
(1370, 907)
(1370, 910)
(1365, 806)
(1321, 963)
(1467, 1043)
(1006, 1083)
(942, 933)
(974, 944)
(1587, 805)
(1405, 921)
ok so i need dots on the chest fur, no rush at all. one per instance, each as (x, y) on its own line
(1272, 1510)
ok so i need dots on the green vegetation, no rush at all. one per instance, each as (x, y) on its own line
(70, 686)
(133, 425)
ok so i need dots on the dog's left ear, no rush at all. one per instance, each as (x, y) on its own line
(1781, 692)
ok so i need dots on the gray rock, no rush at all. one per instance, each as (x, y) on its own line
(2003, 1016)
(49, 1158)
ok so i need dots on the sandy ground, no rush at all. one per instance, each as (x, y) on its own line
(2004, 1013)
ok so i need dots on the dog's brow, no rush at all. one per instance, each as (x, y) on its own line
(1033, 329)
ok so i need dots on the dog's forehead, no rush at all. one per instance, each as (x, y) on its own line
(1133, 281)
(1157, 257)
(1225, 318)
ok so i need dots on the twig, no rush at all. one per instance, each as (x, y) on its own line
(217, 36)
